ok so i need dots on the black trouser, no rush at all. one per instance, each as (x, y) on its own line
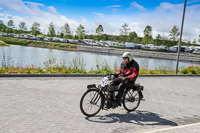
(122, 87)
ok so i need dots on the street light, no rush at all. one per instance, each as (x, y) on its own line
(179, 47)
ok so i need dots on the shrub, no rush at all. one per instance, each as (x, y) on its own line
(190, 70)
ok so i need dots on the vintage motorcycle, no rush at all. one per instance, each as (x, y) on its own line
(101, 97)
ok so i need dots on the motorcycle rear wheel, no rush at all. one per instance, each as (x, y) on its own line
(131, 100)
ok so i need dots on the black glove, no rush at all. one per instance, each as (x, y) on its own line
(125, 80)
(115, 75)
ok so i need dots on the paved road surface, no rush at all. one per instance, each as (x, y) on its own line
(51, 105)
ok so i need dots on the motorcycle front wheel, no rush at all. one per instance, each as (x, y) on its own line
(131, 99)
(91, 102)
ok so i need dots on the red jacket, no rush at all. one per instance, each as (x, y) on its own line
(130, 69)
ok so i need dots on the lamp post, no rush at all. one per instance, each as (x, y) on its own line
(179, 47)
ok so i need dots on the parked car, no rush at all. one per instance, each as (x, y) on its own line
(3, 34)
(162, 47)
(16, 36)
(149, 46)
(196, 52)
(69, 41)
(40, 38)
(139, 46)
(173, 49)
(48, 38)
(130, 45)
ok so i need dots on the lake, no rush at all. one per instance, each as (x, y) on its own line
(19, 56)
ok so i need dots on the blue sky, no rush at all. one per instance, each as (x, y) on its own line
(112, 14)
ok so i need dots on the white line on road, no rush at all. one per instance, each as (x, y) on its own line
(172, 128)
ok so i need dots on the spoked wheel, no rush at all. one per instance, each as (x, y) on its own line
(91, 102)
(131, 99)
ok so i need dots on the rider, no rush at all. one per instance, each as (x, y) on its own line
(126, 76)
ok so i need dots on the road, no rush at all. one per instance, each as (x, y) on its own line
(51, 105)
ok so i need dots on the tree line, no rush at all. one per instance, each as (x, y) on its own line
(126, 35)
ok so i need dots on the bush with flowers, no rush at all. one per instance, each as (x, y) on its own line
(77, 66)
(190, 70)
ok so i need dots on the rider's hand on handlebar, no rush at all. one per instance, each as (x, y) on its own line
(125, 80)
(115, 75)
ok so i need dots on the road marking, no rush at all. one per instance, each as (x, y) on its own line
(171, 128)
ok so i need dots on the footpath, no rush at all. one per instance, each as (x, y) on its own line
(51, 105)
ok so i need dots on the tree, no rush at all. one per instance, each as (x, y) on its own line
(11, 24)
(51, 31)
(147, 35)
(174, 33)
(10, 27)
(104, 37)
(80, 32)
(199, 38)
(188, 42)
(124, 32)
(66, 29)
(35, 29)
(62, 35)
(158, 40)
(125, 29)
(194, 41)
(148, 30)
(132, 37)
(99, 32)
(2, 26)
(1, 22)
(22, 27)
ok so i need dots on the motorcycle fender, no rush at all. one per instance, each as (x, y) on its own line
(139, 88)
(91, 86)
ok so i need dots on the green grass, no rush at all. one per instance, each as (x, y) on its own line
(77, 66)
(71, 70)
(2, 43)
(43, 44)
(10, 40)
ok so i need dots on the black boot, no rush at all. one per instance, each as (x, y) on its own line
(115, 104)
(141, 95)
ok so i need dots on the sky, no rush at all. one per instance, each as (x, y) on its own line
(111, 14)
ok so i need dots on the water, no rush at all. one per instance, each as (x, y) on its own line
(19, 56)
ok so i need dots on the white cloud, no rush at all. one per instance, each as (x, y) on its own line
(113, 6)
(34, 14)
(167, 15)
(162, 18)
(138, 27)
(98, 14)
(114, 10)
(136, 5)
(16, 5)
(51, 15)
(33, 3)
(53, 10)
(109, 27)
